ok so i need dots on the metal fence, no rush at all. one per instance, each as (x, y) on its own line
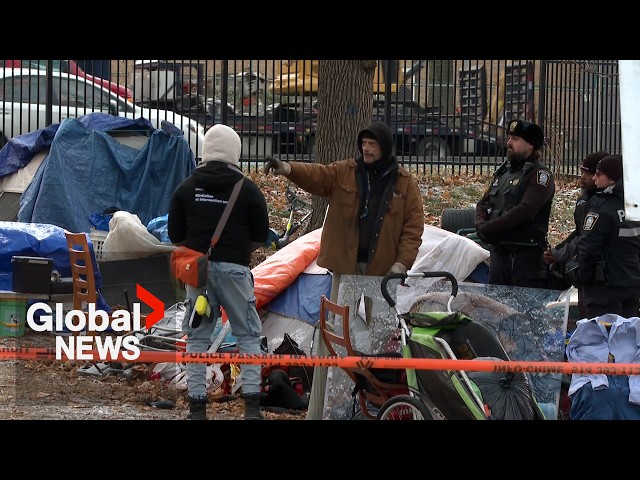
(446, 114)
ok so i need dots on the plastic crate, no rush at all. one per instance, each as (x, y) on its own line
(97, 238)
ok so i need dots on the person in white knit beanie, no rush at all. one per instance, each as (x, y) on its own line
(221, 144)
(196, 208)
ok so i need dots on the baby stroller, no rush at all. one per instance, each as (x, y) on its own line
(454, 394)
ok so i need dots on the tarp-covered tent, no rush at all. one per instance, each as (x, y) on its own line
(70, 171)
(21, 157)
(90, 164)
(88, 171)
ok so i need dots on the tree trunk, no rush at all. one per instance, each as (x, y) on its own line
(345, 103)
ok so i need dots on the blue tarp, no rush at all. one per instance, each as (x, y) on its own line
(19, 151)
(88, 171)
(37, 240)
(301, 300)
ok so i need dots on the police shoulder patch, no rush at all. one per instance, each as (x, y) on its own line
(543, 177)
(590, 220)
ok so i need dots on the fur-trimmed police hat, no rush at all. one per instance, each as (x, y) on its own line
(528, 131)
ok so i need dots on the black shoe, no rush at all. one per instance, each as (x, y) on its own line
(252, 406)
(197, 409)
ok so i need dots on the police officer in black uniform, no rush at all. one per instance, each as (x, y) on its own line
(568, 248)
(609, 247)
(513, 214)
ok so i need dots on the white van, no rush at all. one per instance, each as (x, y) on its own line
(23, 103)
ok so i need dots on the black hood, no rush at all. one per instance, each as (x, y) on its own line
(382, 133)
(216, 176)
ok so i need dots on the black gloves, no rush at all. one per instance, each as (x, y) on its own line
(276, 166)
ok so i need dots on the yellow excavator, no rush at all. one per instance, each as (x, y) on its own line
(300, 77)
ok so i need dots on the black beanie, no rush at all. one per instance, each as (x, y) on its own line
(611, 166)
(529, 131)
(590, 162)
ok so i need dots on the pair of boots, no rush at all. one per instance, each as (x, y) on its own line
(198, 408)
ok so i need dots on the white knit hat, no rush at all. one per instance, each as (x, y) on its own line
(221, 144)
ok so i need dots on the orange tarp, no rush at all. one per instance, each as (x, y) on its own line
(280, 270)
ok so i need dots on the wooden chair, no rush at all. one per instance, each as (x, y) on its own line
(85, 291)
(372, 386)
(82, 273)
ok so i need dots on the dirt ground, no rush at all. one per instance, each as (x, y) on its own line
(52, 390)
(31, 390)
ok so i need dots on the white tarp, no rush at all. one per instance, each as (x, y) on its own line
(128, 238)
(630, 119)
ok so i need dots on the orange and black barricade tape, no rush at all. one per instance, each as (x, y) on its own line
(344, 362)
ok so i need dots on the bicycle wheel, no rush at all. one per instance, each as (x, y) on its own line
(404, 407)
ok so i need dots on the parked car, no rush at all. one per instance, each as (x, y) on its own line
(70, 66)
(287, 131)
(293, 123)
(209, 112)
(421, 131)
(23, 103)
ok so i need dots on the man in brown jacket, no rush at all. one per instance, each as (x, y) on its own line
(374, 223)
(375, 220)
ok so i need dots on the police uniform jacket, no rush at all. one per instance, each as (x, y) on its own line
(606, 235)
(398, 221)
(515, 208)
(568, 248)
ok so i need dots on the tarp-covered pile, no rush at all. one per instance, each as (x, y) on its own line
(93, 164)
(289, 284)
(88, 171)
(82, 167)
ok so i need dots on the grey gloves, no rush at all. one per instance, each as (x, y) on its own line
(398, 268)
(277, 166)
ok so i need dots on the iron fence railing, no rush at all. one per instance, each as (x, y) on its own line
(447, 114)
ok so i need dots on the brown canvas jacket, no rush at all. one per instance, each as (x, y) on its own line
(402, 228)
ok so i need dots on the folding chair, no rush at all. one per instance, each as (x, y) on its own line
(373, 386)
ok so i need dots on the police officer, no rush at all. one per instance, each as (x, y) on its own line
(568, 248)
(609, 247)
(513, 214)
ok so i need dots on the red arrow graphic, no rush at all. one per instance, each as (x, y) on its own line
(152, 301)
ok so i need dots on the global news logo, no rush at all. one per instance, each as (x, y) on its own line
(79, 345)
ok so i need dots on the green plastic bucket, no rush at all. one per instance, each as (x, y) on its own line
(13, 314)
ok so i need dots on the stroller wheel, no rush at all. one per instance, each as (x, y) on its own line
(404, 407)
(360, 416)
